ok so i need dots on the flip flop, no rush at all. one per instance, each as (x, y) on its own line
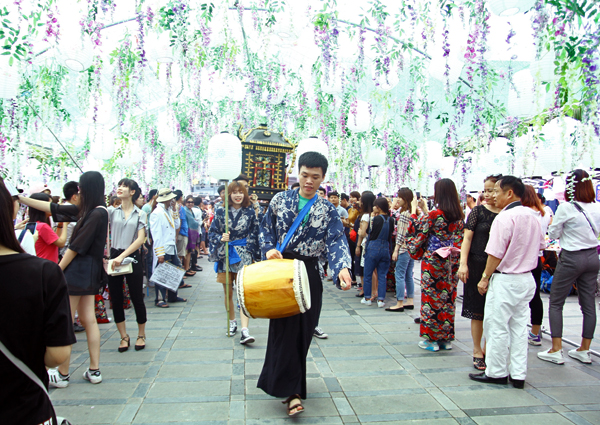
(185, 285)
(189, 273)
(162, 304)
(479, 363)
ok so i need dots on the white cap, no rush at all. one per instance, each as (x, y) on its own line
(11, 189)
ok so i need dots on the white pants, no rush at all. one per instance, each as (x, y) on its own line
(505, 324)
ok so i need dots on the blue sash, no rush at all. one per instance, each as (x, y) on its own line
(234, 257)
(281, 247)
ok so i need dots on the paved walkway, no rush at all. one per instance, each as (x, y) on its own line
(370, 370)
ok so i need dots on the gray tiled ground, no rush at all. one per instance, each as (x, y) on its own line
(368, 371)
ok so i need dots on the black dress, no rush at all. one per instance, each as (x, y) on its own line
(284, 370)
(89, 239)
(479, 222)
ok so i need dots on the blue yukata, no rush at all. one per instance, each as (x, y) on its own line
(320, 237)
(243, 239)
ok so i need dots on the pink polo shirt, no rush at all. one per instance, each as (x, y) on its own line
(516, 237)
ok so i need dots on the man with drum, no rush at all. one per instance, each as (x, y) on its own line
(316, 232)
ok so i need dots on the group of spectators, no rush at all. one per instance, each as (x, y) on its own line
(495, 251)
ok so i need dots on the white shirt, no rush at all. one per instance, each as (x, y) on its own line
(28, 244)
(162, 227)
(571, 227)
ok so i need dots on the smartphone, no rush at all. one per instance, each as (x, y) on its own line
(31, 227)
(418, 195)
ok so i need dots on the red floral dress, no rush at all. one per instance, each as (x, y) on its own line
(438, 275)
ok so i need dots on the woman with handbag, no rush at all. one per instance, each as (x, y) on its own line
(576, 224)
(82, 264)
(436, 238)
(127, 234)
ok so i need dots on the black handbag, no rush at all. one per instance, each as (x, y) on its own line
(85, 275)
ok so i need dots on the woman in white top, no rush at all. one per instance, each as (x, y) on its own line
(128, 232)
(576, 225)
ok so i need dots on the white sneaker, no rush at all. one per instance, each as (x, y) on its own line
(57, 380)
(365, 301)
(380, 304)
(232, 328)
(582, 356)
(556, 357)
(94, 376)
(246, 337)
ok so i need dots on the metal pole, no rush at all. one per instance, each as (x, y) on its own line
(226, 203)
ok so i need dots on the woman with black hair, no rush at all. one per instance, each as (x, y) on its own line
(128, 232)
(377, 251)
(436, 238)
(48, 242)
(82, 264)
(33, 288)
(366, 205)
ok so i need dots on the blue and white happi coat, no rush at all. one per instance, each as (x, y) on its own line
(322, 236)
(244, 225)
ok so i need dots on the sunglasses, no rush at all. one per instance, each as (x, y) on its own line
(189, 202)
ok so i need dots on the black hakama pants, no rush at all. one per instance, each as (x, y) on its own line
(284, 370)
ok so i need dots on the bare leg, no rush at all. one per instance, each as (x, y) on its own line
(535, 329)
(186, 263)
(585, 344)
(477, 334)
(556, 345)
(141, 332)
(73, 301)
(410, 301)
(87, 315)
(231, 310)
(244, 319)
(123, 333)
(373, 287)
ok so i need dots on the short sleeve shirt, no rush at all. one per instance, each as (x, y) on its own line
(90, 238)
(342, 211)
(35, 289)
(123, 231)
(44, 246)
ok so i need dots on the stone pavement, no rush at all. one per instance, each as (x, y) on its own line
(370, 370)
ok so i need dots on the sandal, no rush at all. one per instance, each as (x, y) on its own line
(190, 273)
(185, 285)
(140, 347)
(162, 304)
(298, 406)
(126, 339)
(179, 300)
(479, 363)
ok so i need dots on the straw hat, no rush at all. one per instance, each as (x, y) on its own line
(165, 195)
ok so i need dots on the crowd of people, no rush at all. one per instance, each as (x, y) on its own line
(57, 257)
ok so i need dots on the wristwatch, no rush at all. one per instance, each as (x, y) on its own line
(485, 276)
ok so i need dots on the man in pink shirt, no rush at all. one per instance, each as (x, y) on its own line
(515, 241)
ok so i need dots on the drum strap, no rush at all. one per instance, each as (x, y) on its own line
(281, 247)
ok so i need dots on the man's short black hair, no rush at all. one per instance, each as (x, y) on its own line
(179, 194)
(313, 160)
(151, 194)
(295, 185)
(242, 177)
(197, 201)
(322, 189)
(344, 196)
(221, 189)
(333, 193)
(512, 183)
(70, 189)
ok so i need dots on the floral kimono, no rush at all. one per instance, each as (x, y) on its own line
(243, 224)
(438, 275)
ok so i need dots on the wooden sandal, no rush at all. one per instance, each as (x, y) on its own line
(298, 406)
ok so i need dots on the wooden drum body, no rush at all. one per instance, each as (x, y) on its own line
(273, 289)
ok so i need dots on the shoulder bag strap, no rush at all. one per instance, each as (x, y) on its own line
(281, 247)
(581, 210)
(29, 373)
(22, 235)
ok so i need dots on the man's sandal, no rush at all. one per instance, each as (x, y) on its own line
(298, 406)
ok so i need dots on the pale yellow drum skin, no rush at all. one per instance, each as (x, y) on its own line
(266, 289)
